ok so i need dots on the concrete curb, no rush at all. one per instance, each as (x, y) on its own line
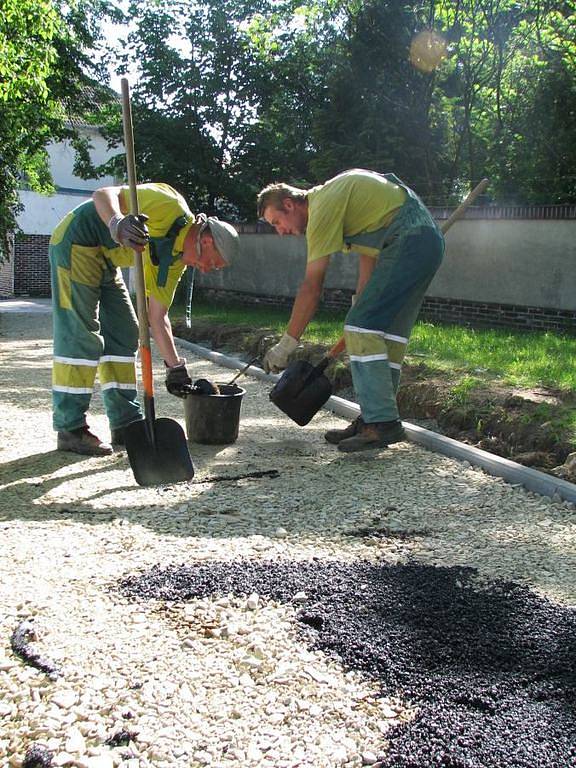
(516, 474)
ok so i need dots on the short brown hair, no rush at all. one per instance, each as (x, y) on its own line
(275, 194)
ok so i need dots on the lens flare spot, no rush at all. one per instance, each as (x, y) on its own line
(427, 50)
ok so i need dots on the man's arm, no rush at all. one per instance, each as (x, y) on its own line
(366, 266)
(305, 305)
(125, 229)
(162, 331)
(108, 202)
(308, 297)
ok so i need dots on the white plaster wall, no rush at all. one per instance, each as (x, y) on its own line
(41, 212)
(62, 161)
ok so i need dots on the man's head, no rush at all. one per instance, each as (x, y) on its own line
(285, 208)
(210, 244)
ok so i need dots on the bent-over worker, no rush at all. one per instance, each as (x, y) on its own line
(95, 327)
(399, 247)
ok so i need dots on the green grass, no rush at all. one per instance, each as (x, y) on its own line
(518, 358)
(521, 358)
(460, 391)
(562, 421)
(326, 328)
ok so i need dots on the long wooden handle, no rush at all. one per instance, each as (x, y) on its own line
(478, 189)
(340, 345)
(143, 329)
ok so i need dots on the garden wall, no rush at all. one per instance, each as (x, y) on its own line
(498, 272)
(504, 267)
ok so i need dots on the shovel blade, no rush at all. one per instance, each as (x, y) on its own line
(161, 459)
(301, 391)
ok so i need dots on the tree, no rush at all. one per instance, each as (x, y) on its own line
(44, 70)
(234, 94)
(377, 111)
(226, 95)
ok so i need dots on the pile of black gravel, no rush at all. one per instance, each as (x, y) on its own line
(492, 670)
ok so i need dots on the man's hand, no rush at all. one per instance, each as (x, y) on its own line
(129, 231)
(276, 359)
(178, 382)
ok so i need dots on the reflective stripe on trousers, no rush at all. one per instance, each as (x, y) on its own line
(95, 332)
(378, 326)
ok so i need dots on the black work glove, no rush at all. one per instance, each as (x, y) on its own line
(178, 382)
(129, 231)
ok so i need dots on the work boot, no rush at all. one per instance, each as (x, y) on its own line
(335, 436)
(379, 434)
(83, 441)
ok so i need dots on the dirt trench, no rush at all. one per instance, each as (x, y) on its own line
(525, 425)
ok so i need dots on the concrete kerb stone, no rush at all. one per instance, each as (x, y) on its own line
(510, 471)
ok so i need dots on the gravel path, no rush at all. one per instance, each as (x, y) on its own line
(224, 677)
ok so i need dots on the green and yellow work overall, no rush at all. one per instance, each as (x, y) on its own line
(95, 327)
(378, 326)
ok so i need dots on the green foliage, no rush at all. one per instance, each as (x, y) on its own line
(44, 66)
(234, 94)
(460, 392)
(378, 108)
(270, 90)
(225, 95)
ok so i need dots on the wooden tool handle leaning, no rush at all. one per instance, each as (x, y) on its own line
(455, 215)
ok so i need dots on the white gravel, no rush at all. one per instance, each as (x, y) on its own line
(225, 681)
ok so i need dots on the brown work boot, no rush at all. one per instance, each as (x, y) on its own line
(335, 436)
(379, 434)
(84, 442)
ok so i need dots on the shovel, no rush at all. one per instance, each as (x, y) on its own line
(157, 448)
(303, 388)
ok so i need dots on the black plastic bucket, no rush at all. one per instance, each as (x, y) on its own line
(302, 390)
(214, 419)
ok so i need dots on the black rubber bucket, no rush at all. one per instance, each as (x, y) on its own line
(302, 390)
(214, 419)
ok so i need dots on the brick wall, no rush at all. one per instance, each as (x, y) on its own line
(6, 274)
(467, 313)
(484, 315)
(31, 266)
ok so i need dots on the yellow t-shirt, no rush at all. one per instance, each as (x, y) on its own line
(163, 205)
(353, 202)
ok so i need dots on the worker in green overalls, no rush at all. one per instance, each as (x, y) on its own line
(95, 327)
(400, 249)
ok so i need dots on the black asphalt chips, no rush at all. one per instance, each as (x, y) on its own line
(492, 668)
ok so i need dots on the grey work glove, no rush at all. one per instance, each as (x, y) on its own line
(276, 359)
(178, 382)
(129, 231)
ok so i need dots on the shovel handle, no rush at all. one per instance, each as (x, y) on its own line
(243, 370)
(338, 348)
(143, 328)
(455, 215)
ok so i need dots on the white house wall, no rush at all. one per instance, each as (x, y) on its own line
(62, 161)
(41, 213)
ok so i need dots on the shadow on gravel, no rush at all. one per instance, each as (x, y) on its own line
(39, 464)
(492, 669)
